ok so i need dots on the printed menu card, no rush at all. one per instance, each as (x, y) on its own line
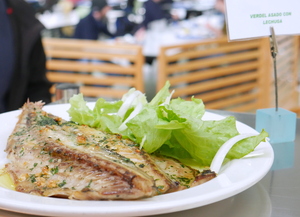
(253, 18)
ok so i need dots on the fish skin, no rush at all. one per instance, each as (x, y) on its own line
(53, 157)
(130, 150)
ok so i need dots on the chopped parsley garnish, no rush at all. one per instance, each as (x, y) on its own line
(34, 165)
(32, 178)
(89, 185)
(184, 180)
(54, 170)
(62, 183)
(44, 120)
(22, 152)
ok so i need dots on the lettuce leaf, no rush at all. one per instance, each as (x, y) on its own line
(102, 116)
(171, 127)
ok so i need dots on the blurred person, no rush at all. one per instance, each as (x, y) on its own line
(220, 6)
(220, 10)
(125, 24)
(154, 10)
(46, 5)
(95, 23)
(75, 3)
(22, 57)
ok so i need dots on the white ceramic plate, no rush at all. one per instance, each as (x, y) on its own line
(234, 177)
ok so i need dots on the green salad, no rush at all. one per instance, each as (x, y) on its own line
(170, 127)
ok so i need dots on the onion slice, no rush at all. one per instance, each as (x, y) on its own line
(218, 159)
(127, 103)
(134, 113)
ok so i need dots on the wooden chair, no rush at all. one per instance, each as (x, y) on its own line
(226, 75)
(101, 69)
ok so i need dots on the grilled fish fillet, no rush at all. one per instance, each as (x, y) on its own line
(53, 157)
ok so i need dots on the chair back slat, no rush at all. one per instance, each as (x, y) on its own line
(226, 75)
(101, 69)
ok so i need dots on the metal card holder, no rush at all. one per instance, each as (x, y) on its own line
(278, 122)
(274, 52)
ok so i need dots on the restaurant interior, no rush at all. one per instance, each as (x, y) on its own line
(191, 51)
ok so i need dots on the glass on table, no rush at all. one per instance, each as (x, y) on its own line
(64, 91)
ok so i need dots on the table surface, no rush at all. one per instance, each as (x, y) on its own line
(276, 195)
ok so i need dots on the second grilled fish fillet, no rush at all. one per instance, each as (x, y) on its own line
(53, 157)
(184, 176)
